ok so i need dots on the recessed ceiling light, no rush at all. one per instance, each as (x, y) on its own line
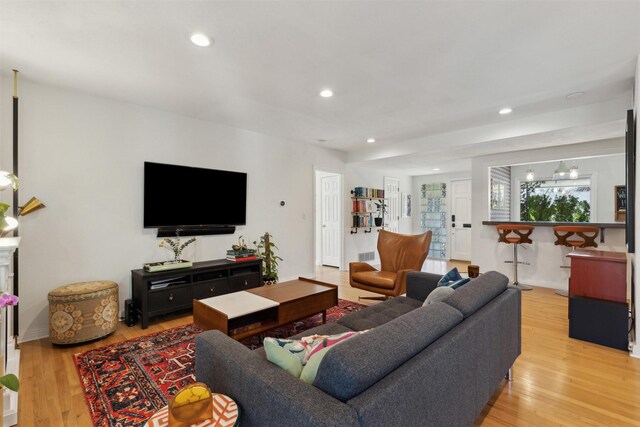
(505, 110)
(575, 95)
(436, 169)
(200, 39)
(371, 140)
(326, 93)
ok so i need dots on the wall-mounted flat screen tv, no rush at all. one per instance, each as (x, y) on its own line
(177, 196)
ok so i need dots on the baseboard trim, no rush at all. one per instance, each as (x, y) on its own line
(33, 334)
(635, 351)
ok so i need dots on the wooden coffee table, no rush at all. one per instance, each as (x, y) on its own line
(246, 313)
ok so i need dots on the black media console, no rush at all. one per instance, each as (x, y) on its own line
(165, 292)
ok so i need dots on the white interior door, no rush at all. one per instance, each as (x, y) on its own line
(330, 220)
(392, 194)
(461, 220)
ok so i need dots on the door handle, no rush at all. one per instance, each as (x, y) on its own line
(466, 225)
(453, 225)
(453, 218)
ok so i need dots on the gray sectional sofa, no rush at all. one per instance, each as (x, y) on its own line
(436, 365)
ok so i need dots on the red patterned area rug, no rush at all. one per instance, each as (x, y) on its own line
(127, 382)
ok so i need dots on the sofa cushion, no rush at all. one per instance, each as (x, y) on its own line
(379, 314)
(381, 279)
(358, 363)
(470, 297)
(438, 294)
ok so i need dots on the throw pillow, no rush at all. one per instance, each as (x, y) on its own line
(294, 355)
(310, 370)
(453, 279)
(285, 354)
(438, 294)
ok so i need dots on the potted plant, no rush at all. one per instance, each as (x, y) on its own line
(382, 209)
(265, 250)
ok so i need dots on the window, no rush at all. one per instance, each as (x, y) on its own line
(556, 200)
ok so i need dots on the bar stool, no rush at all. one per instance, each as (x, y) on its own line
(575, 236)
(515, 234)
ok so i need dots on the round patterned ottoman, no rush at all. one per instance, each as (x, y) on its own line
(82, 311)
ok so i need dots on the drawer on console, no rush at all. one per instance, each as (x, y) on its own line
(211, 288)
(241, 282)
(167, 299)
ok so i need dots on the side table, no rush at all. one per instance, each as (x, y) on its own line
(226, 413)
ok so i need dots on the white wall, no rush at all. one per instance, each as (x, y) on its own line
(83, 157)
(545, 258)
(357, 176)
(605, 172)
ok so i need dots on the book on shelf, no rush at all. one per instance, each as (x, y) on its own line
(364, 206)
(242, 252)
(243, 258)
(363, 221)
(374, 193)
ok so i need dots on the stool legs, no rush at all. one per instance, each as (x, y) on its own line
(515, 270)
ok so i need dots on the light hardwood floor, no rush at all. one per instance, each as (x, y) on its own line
(558, 381)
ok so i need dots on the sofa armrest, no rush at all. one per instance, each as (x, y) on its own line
(267, 395)
(420, 284)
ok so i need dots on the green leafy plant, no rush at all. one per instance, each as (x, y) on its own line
(176, 246)
(265, 250)
(10, 381)
(544, 207)
(382, 208)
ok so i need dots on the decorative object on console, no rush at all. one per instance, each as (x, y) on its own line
(176, 247)
(265, 250)
(240, 252)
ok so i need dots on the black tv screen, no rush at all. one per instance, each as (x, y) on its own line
(188, 196)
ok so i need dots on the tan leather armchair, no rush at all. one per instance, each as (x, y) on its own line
(399, 254)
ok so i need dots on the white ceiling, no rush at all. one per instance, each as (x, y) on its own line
(413, 75)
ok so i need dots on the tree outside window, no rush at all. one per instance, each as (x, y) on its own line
(556, 200)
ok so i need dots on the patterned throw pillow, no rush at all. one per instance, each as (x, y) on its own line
(453, 279)
(302, 357)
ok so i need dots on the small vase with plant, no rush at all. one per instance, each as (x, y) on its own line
(176, 247)
(265, 250)
(382, 209)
